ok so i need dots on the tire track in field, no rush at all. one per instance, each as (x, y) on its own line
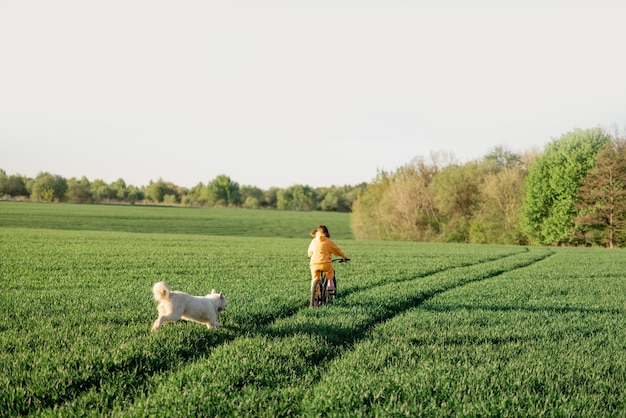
(439, 282)
(432, 272)
(266, 320)
(399, 296)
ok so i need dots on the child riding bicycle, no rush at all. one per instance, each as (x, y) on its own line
(321, 250)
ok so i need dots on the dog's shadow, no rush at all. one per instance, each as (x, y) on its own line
(335, 335)
(189, 341)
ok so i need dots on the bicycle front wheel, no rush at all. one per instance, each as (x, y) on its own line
(331, 294)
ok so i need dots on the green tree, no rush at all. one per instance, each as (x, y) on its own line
(14, 185)
(338, 199)
(351, 194)
(120, 190)
(3, 182)
(409, 206)
(49, 187)
(198, 195)
(457, 197)
(398, 205)
(170, 199)
(252, 197)
(270, 197)
(135, 194)
(79, 191)
(330, 202)
(497, 218)
(553, 183)
(602, 198)
(222, 191)
(298, 197)
(101, 191)
(366, 220)
(501, 175)
(504, 158)
(157, 192)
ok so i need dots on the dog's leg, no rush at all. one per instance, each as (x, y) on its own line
(214, 324)
(162, 320)
(157, 324)
(168, 312)
(212, 321)
(159, 321)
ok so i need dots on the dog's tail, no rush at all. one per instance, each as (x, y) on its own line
(161, 291)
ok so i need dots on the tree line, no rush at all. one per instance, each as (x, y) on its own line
(571, 193)
(221, 191)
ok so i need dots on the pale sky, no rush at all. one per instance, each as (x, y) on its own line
(286, 92)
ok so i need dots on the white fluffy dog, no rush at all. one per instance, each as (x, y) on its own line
(174, 305)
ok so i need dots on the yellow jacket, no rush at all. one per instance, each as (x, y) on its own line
(322, 249)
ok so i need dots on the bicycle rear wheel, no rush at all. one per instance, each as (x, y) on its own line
(317, 294)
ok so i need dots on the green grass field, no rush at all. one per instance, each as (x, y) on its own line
(418, 329)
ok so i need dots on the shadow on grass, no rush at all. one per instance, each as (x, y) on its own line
(533, 309)
(131, 370)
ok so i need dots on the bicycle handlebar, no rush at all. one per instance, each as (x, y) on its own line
(340, 260)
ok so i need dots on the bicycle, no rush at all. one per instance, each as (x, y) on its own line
(320, 294)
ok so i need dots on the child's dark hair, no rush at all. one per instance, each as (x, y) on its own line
(323, 229)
